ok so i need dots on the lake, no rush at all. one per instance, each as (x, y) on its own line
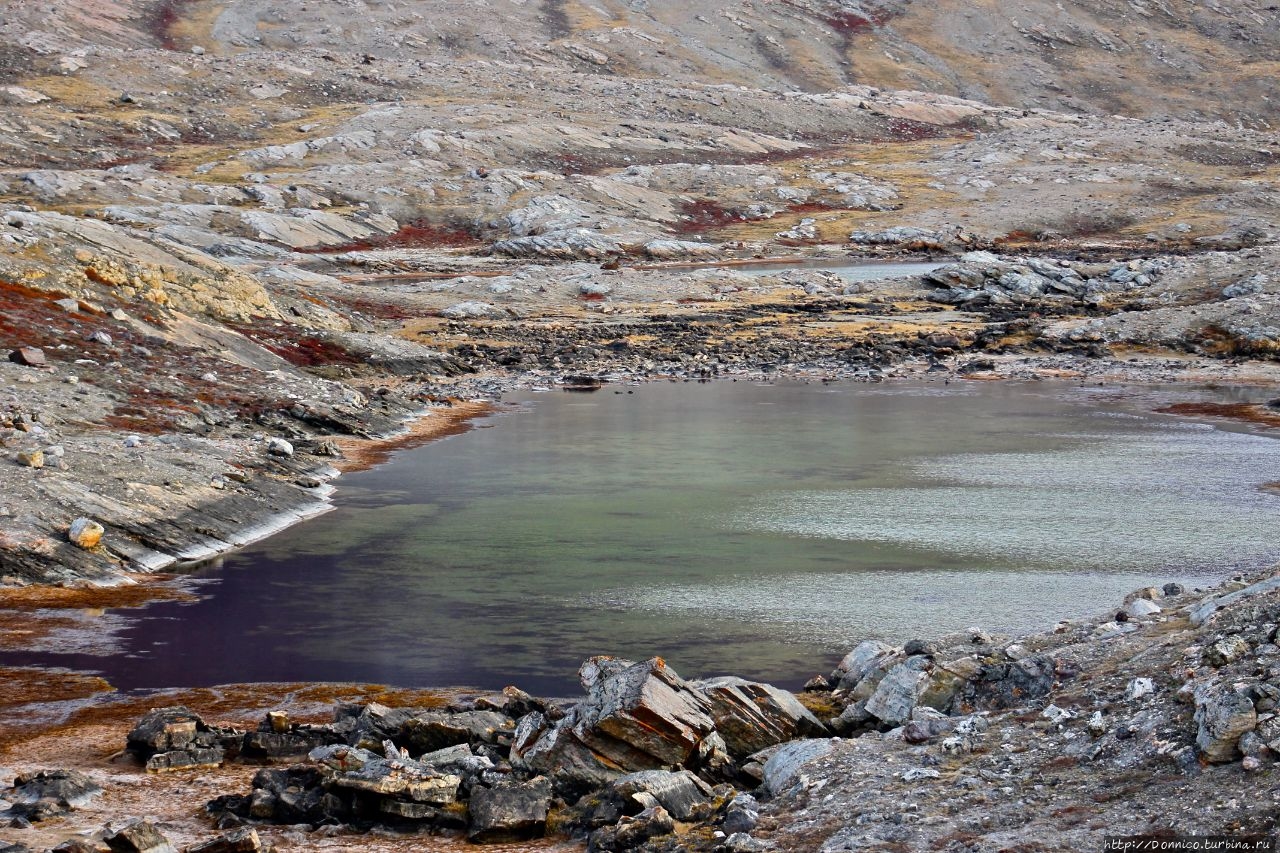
(730, 527)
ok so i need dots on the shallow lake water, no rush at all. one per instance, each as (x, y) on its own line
(730, 527)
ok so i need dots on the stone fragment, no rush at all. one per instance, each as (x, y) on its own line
(679, 793)
(1223, 715)
(631, 832)
(1140, 608)
(49, 793)
(1140, 687)
(1225, 651)
(279, 447)
(752, 716)
(742, 814)
(509, 812)
(431, 731)
(243, 840)
(898, 692)
(85, 533)
(176, 739)
(28, 357)
(139, 836)
(784, 768)
(858, 663)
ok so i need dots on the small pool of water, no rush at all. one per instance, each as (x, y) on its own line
(742, 528)
(850, 271)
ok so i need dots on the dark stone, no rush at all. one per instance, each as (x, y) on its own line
(432, 731)
(244, 840)
(679, 793)
(49, 793)
(920, 647)
(175, 738)
(1007, 685)
(1173, 589)
(14, 848)
(632, 832)
(28, 357)
(751, 716)
(81, 845)
(510, 812)
(139, 836)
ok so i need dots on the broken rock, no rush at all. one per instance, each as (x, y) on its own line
(510, 812)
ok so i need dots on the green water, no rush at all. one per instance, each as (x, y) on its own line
(730, 527)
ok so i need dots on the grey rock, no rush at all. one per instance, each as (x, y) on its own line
(786, 765)
(751, 716)
(898, 692)
(855, 665)
(279, 447)
(49, 793)
(469, 311)
(509, 812)
(1227, 650)
(631, 832)
(679, 793)
(139, 836)
(243, 840)
(1222, 715)
(742, 814)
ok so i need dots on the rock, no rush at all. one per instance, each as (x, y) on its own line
(28, 357)
(858, 663)
(139, 836)
(49, 793)
(805, 230)
(643, 717)
(784, 767)
(917, 774)
(279, 447)
(898, 692)
(1141, 608)
(594, 288)
(100, 337)
(751, 716)
(432, 731)
(243, 840)
(31, 458)
(742, 814)
(1171, 589)
(509, 812)
(1225, 651)
(632, 831)
(679, 793)
(174, 739)
(401, 780)
(85, 533)
(1140, 687)
(469, 311)
(1223, 715)
(817, 684)
(920, 647)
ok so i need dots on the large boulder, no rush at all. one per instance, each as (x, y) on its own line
(679, 793)
(1223, 715)
(509, 812)
(175, 738)
(897, 693)
(751, 716)
(49, 793)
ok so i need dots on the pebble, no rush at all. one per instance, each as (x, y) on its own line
(279, 447)
(31, 458)
(133, 441)
(85, 533)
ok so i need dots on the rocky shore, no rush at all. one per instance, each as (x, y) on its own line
(246, 246)
(1156, 719)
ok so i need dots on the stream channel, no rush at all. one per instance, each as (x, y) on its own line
(730, 527)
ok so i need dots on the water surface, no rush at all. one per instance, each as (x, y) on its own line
(738, 528)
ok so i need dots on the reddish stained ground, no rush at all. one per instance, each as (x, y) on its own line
(295, 346)
(1247, 412)
(418, 234)
(704, 214)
